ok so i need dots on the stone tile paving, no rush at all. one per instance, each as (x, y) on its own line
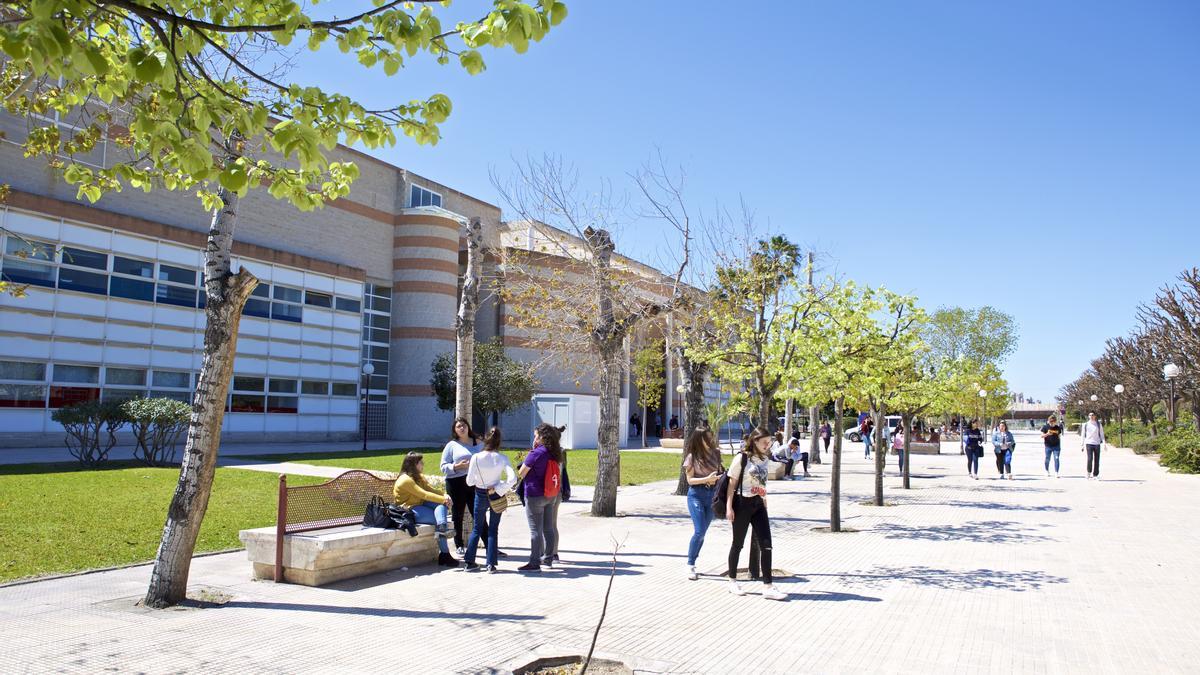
(1031, 576)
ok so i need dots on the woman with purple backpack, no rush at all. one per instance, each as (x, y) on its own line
(542, 476)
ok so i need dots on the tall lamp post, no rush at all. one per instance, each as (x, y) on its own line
(367, 370)
(679, 389)
(1082, 416)
(1171, 371)
(1120, 389)
(983, 400)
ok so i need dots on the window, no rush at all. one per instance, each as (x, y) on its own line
(126, 376)
(22, 395)
(176, 295)
(61, 397)
(241, 383)
(176, 286)
(284, 311)
(314, 388)
(84, 374)
(379, 304)
(176, 275)
(28, 249)
(256, 306)
(121, 394)
(282, 404)
(379, 381)
(172, 378)
(136, 268)
(80, 258)
(318, 299)
(20, 271)
(286, 294)
(121, 287)
(251, 403)
(380, 320)
(419, 196)
(20, 370)
(282, 386)
(349, 305)
(174, 395)
(345, 389)
(86, 282)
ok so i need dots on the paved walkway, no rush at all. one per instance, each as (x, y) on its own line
(1035, 576)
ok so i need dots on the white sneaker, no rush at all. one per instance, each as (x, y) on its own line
(1047, 474)
(772, 593)
(735, 587)
(692, 573)
(1057, 475)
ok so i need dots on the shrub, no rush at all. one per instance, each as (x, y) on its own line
(1144, 446)
(91, 429)
(157, 424)
(1180, 450)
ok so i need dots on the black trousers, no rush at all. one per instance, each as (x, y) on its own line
(1093, 460)
(804, 461)
(751, 513)
(462, 497)
(1000, 462)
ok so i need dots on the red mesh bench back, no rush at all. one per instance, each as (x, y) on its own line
(335, 503)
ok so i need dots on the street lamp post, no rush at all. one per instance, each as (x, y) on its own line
(679, 389)
(983, 400)
(1171, 371)
(367, 370)
(1120, 389)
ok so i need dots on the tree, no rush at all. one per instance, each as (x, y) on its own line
(649, 378)
(981, 335)
(575, 300)
(499, 384)
(189, 95)
(1174, 316)
(464, 322)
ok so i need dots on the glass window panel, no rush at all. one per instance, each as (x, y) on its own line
(78, 280)
(260, 308)
(24, 272)
(345, 389)
(286, 312)
(349, 305)
(379, 304)
(287, 294)
(30, 249)
(379, 335)
(173, 395)
(318, 299)
(82, 258)
(176, 295)
(281, 404)
(178, 275)
(247, 403)
(379, 382)
(314, 387)
(22, 396)
(69, 373)
(282, 386)
(121, 394)
(435, 199)
(134, 289)
(380, 398)
(20, 370)
(382, 291)
(61, 397)
(128, 376)
(249, 384)
(137, 268)
(171, 378)
(380, 321)
(202, 300)
(262, 291)
(381, 367)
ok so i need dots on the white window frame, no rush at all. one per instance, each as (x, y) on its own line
(412, 193)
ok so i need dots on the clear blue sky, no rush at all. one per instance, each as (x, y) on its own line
(1040, 157)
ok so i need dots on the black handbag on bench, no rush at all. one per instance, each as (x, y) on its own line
(377, 514)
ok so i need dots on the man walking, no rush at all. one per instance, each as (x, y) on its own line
(1093, 439)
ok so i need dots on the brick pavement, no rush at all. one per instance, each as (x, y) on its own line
(1033, 575)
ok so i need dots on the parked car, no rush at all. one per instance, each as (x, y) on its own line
(892, 422)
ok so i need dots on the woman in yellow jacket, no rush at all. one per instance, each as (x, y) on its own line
(428, 505)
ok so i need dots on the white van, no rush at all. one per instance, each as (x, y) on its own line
(892, 422)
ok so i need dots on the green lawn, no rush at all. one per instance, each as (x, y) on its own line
(636, 467)
(61, 518)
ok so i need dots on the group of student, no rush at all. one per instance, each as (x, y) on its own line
(1003, 445)
(479, 476)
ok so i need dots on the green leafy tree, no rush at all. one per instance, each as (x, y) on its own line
(499, 384)
(157, 424)
(176, 86)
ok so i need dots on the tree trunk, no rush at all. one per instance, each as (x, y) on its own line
(906, 420)
(608, 469)
(694, 375)
(225, 294)
(880, 454)
(787, 420)
(643, 425)
(814, 443)
(835, 477)
(464, 323)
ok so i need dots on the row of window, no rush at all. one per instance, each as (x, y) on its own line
(70, 268)
(24, 384)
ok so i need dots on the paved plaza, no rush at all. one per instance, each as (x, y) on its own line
(1033, 575)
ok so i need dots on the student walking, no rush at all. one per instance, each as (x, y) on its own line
(866, 429)
(491, 476)
(1003, 445)
(455, 458)
(746, 508)
(542, 477)
(826, 434)
(1093, 440)
(973, 442)
(898, 447)
(702, 466)
(428, 505)
(1052, 438)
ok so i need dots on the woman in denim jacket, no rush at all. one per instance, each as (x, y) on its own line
(1003, 444)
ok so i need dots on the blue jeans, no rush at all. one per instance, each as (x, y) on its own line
(973, 460)
(900, 457)
(431, 513)
(699, 502)
(487, 528)
(867, 445)
(1052, 451)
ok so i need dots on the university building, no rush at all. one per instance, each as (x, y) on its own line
(114, 306)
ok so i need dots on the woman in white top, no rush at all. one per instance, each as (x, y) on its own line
(455, 457)
(492, 476)
(746, 508)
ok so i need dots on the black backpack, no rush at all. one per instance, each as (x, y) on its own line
(721, 494)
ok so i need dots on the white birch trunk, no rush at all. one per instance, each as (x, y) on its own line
(464, 323)
(835, 478)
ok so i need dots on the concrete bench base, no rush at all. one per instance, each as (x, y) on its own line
(923, 448)
(325, 556)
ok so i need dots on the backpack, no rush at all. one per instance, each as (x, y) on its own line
(553, 480)
(721, 494)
